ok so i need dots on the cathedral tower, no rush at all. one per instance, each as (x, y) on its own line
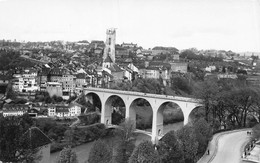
(109, 51)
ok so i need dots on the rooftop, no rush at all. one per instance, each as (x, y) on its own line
(108, 59)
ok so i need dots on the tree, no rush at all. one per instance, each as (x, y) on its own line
(203, 134)
(145, 153)
(10, 93)
(147, 86)
(170, 149)
(47, 98)
(9, 59)
(15, 146)
(100, 153)
(256, 131)
(82, 100)
(239, 102)
(126, 141)
(72, 98)
(207, 92)
(180, 83)
(20, 101)
(188, 54)
(203, 128)
(190, 145)
(57, 98)
(67, 155)
(140, 85)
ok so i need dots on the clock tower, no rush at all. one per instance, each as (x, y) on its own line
(109, 51)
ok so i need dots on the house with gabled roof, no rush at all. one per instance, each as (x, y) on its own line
(129, 45)
(64, 110)
(14, 109)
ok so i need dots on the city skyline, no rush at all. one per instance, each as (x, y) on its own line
(223, 24)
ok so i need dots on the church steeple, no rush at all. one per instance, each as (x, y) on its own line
(109, 50)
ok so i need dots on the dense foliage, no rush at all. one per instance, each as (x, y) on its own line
(190, 55)
(229, 103)
(141, 85)
(145, 152)
(170, 149)
(14, 146)
(67, 155)
(203, 132)
(89, 119)
(125, 141)
(189, 143)
(100, 153)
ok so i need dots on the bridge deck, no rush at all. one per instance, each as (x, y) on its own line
(167, 97)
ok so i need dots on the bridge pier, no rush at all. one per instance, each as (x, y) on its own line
(157, 125)
(106, 114)
(186, 109)
(154, 138)
(130, 113)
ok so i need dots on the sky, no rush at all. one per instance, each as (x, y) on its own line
(203, 24)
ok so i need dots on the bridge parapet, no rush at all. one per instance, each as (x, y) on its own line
(167, 97)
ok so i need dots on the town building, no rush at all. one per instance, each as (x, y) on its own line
(56, 75)
(181, 67)
(121, 52)
(14, 109)
(54, 88)
(43, 78)
(64, 110)
(129, 45)
(32, 112)
(26, 81)
(253, 80)
(68, 81)
(97, 43)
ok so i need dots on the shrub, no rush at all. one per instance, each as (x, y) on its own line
(190, 145)
(90, 118)
(67, 155)
(144, 152)
(170, 149)
(100, 153)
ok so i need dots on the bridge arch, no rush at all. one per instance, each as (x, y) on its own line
(196, 113)
(141, 112)
(113, 103)
(186, 108)
(168, 109)
(94, 99)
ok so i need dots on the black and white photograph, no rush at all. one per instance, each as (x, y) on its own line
(129, 81)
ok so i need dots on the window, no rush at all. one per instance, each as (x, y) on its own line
(109, 41)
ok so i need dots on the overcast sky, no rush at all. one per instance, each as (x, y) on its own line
(204, 24)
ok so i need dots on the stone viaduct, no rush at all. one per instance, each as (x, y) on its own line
(129, 98)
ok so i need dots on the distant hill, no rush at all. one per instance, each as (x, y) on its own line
(249, 53)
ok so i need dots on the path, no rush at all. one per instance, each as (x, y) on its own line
(75, 122)
(226, 147)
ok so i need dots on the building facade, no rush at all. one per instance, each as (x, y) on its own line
(110, 45)
(14, 109)
(54, 88)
